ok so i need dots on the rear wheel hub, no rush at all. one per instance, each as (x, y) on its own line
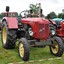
(4, 34)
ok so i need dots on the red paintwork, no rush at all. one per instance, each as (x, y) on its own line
(37, 25)
(62, 25)
(60, 31)
(53, 22)
(12, 22)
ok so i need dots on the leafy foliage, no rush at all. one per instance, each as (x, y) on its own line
(51, 15)
(61, 15)
(34, 9)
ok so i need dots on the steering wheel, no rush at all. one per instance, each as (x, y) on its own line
(24, 13)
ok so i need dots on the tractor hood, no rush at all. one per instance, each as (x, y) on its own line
(32, 20)
(40, 27)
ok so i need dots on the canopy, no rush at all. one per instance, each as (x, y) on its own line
(57, 19)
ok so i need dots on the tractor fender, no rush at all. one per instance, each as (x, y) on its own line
(52, 21)
(11, 22)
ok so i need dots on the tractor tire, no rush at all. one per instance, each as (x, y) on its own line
(57, 47)
(24, 49)
(8, 36)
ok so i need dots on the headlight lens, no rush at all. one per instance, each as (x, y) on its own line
(53, 32)
(30, 32)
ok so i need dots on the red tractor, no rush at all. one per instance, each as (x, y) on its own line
(59, 26)
(30, 31)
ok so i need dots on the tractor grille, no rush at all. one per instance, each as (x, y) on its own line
(43, 31)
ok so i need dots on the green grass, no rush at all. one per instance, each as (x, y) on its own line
(11, 56)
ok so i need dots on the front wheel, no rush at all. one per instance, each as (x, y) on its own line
(57, 47)
(23, 49)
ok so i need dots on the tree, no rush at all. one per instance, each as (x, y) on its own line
(51, 15)
(63, 10)
(61, 15)
(34, 9)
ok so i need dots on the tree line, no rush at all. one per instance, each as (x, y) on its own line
(52, 15)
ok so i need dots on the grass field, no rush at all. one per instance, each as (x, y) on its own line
(11, 56)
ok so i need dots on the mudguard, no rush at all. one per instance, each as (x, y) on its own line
(12, 22)
(52, 21)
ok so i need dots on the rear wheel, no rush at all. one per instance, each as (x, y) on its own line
(8, 36)
(57, 47)
(23, 49)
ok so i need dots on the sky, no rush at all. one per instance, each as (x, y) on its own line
(20, 5)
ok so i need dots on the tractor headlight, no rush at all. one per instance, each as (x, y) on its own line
(30, 32)
(53, 32)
